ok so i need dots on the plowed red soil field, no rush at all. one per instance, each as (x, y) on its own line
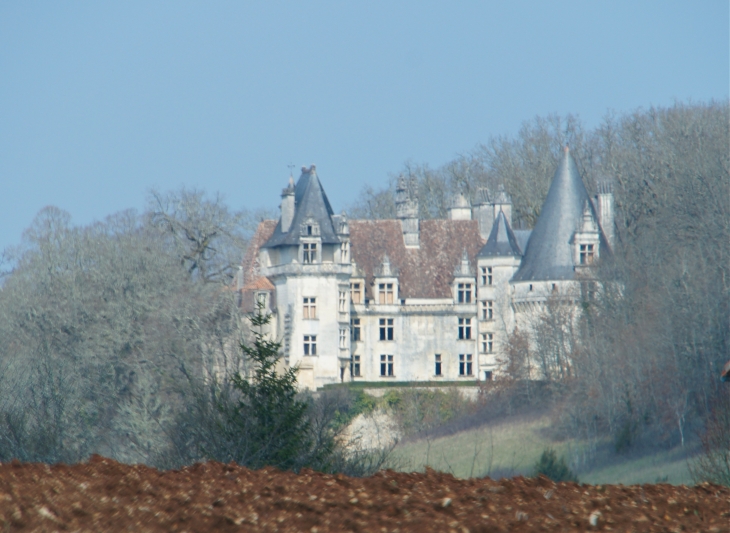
(103, 495)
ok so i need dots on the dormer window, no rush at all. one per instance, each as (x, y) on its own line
(385, 293)
(587, 252)
(463, 293)
(309, 228)
(309, 252)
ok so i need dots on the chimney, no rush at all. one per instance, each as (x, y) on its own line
(460, 208)
(287, 206)
(604, 208)
(503, 202)
(483, 213)
(406, 208)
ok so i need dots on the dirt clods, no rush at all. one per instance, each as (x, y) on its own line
(103, 495)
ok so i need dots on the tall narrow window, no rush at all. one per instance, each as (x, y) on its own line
(355, 366)
(486, 275)
(342, 302)
(586, 254)
(437, 369)
(386, 329)
(385, 293)
(465, 328)
(310, 345)
(355, 294)
(465, 364)
(309, 309)
(464, 293)
(343, 338)
(487, 342)
(309, 252)
(588, 290)
(355, 329)
(487, 310)
(386, 365)
(344, 252)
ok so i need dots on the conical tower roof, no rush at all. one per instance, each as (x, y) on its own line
(502, 241)
(549, 253)
(311, 203)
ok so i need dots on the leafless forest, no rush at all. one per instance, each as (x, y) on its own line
(104, 329)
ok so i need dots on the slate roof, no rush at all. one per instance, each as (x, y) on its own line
(523, 238)
(310, 201)
(549, 254)
(502, 240)
(423, 272)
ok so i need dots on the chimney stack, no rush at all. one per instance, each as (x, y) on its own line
(287, 206)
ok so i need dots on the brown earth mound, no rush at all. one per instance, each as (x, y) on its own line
(103, 495)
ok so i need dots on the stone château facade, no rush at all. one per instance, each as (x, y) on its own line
(417, 300)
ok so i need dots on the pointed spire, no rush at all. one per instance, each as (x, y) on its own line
(549, 255)
(385, 271)
(502, 241)
(311, 206)
(464, 268)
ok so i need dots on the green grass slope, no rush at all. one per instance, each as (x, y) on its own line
(512, 446)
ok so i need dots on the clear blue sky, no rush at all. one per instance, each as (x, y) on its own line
(101, 101)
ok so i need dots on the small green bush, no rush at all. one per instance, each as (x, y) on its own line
(556, 469)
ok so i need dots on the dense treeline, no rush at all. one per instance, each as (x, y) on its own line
(645, 358)
(100, 325)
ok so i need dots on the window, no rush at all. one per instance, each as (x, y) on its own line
(385, 293)
(386, 365)
(309, 252)
(487, 310)
(437, 370)
(355, 329)
(586, 254)
(487, 375)
(386, 329)
(355, 369)
(588, 291)
(355, 294)
(465, 364)
(309, 311)
(342, 302)
(465, 328)
(261, 298)
(309, 230)
(487, 342)
(486, 275)
(310, 345)
(343, 338)
(464, 293)
(344, 252)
